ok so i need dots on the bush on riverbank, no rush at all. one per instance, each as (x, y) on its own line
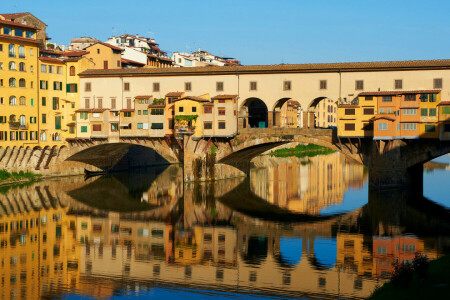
(436, 284)
(6, 176)
(302, 150)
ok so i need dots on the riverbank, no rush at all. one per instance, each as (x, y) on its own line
(302, 150)
(435, 286)
(8, 178)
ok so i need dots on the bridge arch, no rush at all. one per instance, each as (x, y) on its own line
(286, 118)
(254, 113)
(312, 107)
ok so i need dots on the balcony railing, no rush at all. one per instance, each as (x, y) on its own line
(185, 129)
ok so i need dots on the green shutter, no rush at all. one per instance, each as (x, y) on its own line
(58, 122)
(446, 110)
(67, 88)
(76, 87)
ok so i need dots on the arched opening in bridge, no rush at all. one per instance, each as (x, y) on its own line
(256, 250)
(253, 114)
(290, 251)
(325, 112)
(322, 252)
(287, 112)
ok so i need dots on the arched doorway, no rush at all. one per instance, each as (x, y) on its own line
(254, 114)
(287, 112)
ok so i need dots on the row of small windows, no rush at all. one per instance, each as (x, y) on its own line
(13, 101)
(12, 66)
(253, 85)
(18, 135)
(20, 51)
(13, 82)
(51, 69)
(18, 32)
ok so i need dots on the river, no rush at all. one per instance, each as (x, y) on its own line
(296, 227)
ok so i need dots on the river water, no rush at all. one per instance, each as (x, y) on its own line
(297, 227)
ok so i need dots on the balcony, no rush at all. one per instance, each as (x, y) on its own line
(17, 126)
(185, 129)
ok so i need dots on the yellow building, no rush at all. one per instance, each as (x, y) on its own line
(354, 119)
(189, 114)
(18, 84)
(444, 120)
(105, 56)
(428, 126)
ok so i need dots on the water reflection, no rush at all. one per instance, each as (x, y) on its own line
(130, 234)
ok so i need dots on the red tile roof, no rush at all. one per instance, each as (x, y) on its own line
(71, 124)
(174, 94)
(18, 38)
(285, 68)
(382, 117)
(50, 59)
(127, 109)
(92, 110)
(393, 93)
(16, 24)
(444, 103)
(74, 53)
(222, 97)
(13, 16)
(199, 99)
(348, 105)
(107, 45)
(156, 106)
(129, 61)
(143, 96)
(50, 52)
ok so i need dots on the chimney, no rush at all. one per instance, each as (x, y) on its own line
(137, 35)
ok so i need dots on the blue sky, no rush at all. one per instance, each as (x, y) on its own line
(260, 32)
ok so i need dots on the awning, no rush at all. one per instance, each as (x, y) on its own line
(125, 124)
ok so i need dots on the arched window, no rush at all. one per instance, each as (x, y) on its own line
(72, 71)
(12, 82)
(43, 136)
(21, 82)
(22, 67)
(22, 101)
(21, 52)
(31, 69)
(12, 66)
(22, 120)
(12, 100)
(56, 136)
(12, 50)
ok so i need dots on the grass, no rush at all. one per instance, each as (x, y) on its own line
(435, 286)
(6, 176)
(308, 150)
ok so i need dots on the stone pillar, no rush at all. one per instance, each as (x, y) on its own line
(277, 118)
(270, 115)
(311, 120)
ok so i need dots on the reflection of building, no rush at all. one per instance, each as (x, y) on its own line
(305, 185)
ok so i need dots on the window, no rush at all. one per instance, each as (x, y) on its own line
(97, 127)
(157, 125)
(424, 112)
(57, 85)
(381, 111)
(7, 30)
(349, 111)
(447, 127)
(57, 122)
(21, 52)
(219, 86)
(156, 86)
(398, 84)
(194, 109)
(409, 111)
(44, 119)
(113, 103)
(286, 85)
(12, 50)
(253, 86)
(424, 97)
(350, 127)
(437, 83)
(83, 128)
(114, 126)
(410, 97)
(369, 111)
(12, 82)
(22, 101)
(221, 111)
(55, 101)
(180, 109)
(71, 88)
(323, 85)
(207, 125)
(140, 126)
(43, 84)
(12, 66)
(126, 86)
(22, 67)
(18, 32)
(433, 97)
(157, 111)
(409, 126)
(430, 128)
(43, 68)
(382, 126)
(59, 70)
(72, 71)
(387, 99)
(22, 83)
(31, 51)
(187, 86)
(83, 115)
(207, 109)
(51, 69)
(87, 86)
(359, 85)
(221, 125)
(127, 114)
(432, 112)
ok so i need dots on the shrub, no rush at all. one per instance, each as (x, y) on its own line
(402, 275)
(421, 263)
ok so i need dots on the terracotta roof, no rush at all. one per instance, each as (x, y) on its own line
(16, 24)
(50, 59)
(75, 53)
(156, 105)
(50, 52)
(393, 93)
(193, 98)
(127, 109)
(221, 97)
(129, 61)
(71, 124)
(107, 45)
(18, 38)
(174, 94)
(284, 68)
(143, 96)
(444, 103)
(92, 110)
(382, 117)
(13, 16)
(348, 105)
(208, 104)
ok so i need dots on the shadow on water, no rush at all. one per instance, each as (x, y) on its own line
(119, 191)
